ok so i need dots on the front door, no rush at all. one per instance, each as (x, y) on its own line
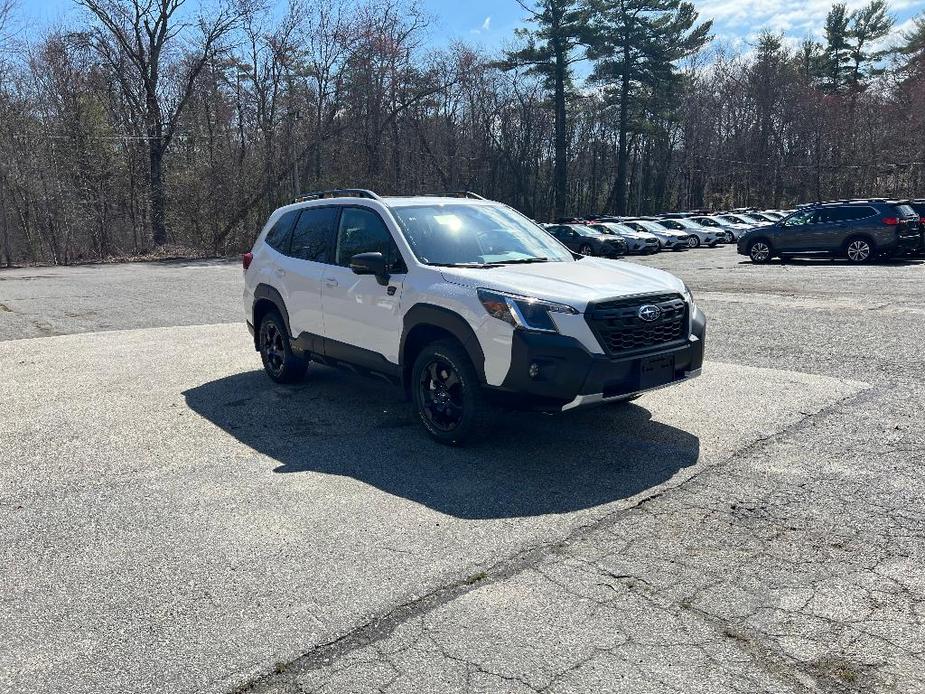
(362, 317)
(796, 233)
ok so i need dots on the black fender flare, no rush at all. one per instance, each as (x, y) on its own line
(451, 322)
(264, 292)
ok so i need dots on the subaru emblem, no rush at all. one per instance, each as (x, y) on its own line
(649, 313)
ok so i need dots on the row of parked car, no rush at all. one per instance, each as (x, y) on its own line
(613, 237)
(858, 230)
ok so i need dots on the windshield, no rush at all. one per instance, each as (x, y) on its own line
(773, 216)
(585, 231)
(750, 220)
(688, 224)
(467, 234)
(615, 228)
(652, 226)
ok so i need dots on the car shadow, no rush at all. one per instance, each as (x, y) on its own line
(337, 423)
(835, 262)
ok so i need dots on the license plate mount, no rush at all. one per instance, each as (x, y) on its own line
(656, 371)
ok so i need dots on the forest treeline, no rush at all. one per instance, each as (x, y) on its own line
(154, 124)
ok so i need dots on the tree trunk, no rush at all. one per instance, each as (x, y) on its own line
(560, 173)
(622, 145)
(156, 184)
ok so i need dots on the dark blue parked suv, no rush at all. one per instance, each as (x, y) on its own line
(856, 230)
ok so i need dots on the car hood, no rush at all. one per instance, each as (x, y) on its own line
(573, 283)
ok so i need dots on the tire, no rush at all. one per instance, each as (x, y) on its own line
(448, 396)
(586, 250)
(730, 237)
(760, 251)
(693, 241)
(858, 250)
(279, 361)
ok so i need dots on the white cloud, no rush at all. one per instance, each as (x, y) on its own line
(794, 17)
(486, 25)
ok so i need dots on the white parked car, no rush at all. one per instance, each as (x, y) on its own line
(733, 230)
(667, 238)
(636, 241)
(699, 234)
(463, 303)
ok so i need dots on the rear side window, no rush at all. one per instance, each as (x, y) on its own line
(278, 236)
(363, 231)
(847, 214)
(311, 238)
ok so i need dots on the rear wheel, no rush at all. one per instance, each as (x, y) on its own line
(279, 361)
(759, 251)
(586, 249)
(693, 241)
(448, 396)
(859, 250)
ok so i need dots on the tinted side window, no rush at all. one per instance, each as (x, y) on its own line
(278, 235)
(311, 238)
(363, 231)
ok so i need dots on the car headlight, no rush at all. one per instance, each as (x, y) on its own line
(687, 295)
(522, 311)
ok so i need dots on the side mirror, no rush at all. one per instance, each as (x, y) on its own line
(371, 264)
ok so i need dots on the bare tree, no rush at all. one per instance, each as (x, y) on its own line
(136, 38)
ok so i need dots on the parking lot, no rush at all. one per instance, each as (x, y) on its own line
(171, 521)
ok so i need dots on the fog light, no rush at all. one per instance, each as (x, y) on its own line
(534, 370)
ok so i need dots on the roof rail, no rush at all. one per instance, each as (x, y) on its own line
(462, 194)
(338, 193)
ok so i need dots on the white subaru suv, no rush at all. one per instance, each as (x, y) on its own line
(464, 303)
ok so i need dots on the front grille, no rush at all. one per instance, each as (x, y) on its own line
(619, 329)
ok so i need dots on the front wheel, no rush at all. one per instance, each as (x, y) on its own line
(693, 241)
(859, 250)
(586, 250)
(448, 396)
(279, 361)
(759, 251)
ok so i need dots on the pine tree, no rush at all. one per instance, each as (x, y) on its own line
(837, 48)
(636, 45)
(869, 24)
(911, 51)
(550, 51)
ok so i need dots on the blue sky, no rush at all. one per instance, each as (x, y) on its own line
(491, 23)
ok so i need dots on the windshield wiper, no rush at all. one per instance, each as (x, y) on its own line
(480, 265)
(519, 261)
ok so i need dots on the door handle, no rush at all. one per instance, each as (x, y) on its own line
(330, 282)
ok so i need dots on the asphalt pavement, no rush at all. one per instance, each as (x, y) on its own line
(171, 521)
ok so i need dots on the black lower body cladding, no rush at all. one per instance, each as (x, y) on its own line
(549, 370)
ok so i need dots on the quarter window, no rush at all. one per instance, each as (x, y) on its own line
(363, 231)
(311, 238)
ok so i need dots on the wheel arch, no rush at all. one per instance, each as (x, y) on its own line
(426, 323)
(266, 299)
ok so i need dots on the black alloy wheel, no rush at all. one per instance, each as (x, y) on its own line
(279, 361)
(448, 395)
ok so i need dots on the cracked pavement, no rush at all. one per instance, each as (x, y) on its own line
(761, 529)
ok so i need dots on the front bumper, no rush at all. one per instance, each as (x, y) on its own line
(568, 376)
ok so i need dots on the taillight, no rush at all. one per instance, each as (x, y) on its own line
(891, 221)
(246, 260)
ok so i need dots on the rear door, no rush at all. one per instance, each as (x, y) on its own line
(310, 251)
(362, 318)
